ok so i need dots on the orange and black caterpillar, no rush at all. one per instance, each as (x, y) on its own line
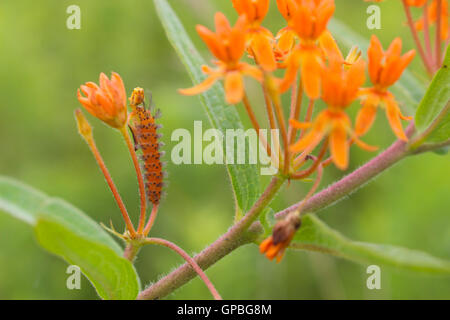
(146, 138)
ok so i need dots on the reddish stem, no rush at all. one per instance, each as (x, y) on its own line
(424, 57)
(189, 260)
(438, 35)
(152, 219)
(426, 33)
(112, 186)
(296, 105)
(255, 124)
(140, 179)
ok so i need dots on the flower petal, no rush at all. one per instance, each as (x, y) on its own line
(299, 125)
(252, 71)
(339, 147)
(365, 118)
(263, 50)
(311, 71)
(234, 87)
(393, 115)
(201, 87)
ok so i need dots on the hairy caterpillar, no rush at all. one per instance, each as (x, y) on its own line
(144, 129)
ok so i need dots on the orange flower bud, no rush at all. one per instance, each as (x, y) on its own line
(107, 102)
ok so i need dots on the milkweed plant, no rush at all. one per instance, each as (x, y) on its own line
(303, 64)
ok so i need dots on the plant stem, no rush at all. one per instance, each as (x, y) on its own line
(431, 146)
(438, 34)
(317, 162)
(296, 105)
(273, 126)
(151, 221)
(284, 134)
(112, 186)
(255, 123)
(241, 233)
(418, 141)
(189, 260)
(426, 33)
(424, 57)
(131, 251)
(140, 178)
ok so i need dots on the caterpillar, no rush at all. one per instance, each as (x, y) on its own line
(146, 138)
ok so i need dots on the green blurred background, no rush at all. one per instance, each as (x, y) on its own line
(42, 64)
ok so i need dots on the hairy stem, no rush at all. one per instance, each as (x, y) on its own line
(241, 233)
(131, 251)
(189, 260)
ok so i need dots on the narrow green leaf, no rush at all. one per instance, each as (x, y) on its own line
(113, 276)
(244, 177)
(316, 235)
(435, 103)
(408, 90)
(68, 232)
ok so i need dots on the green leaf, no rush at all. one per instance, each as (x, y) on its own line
(20, 201)
(317, 236)
(408, 90)
(113, 276)
(244, 177)
(435, 106)
(78, 222)
(68, 232)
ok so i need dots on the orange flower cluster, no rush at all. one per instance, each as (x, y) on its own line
(314, 65)
(305, 47)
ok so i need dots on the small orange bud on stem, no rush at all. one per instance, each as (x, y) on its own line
(84, 128)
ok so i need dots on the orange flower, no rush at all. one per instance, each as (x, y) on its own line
(285, 43)
(274, 250)
(259, 38)
(340, 88)
(286, 8)
(107, 102)
(385, 68)
(308, 19)
(332, 52)
(433, 15)
(283, 232)
(227, 44)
